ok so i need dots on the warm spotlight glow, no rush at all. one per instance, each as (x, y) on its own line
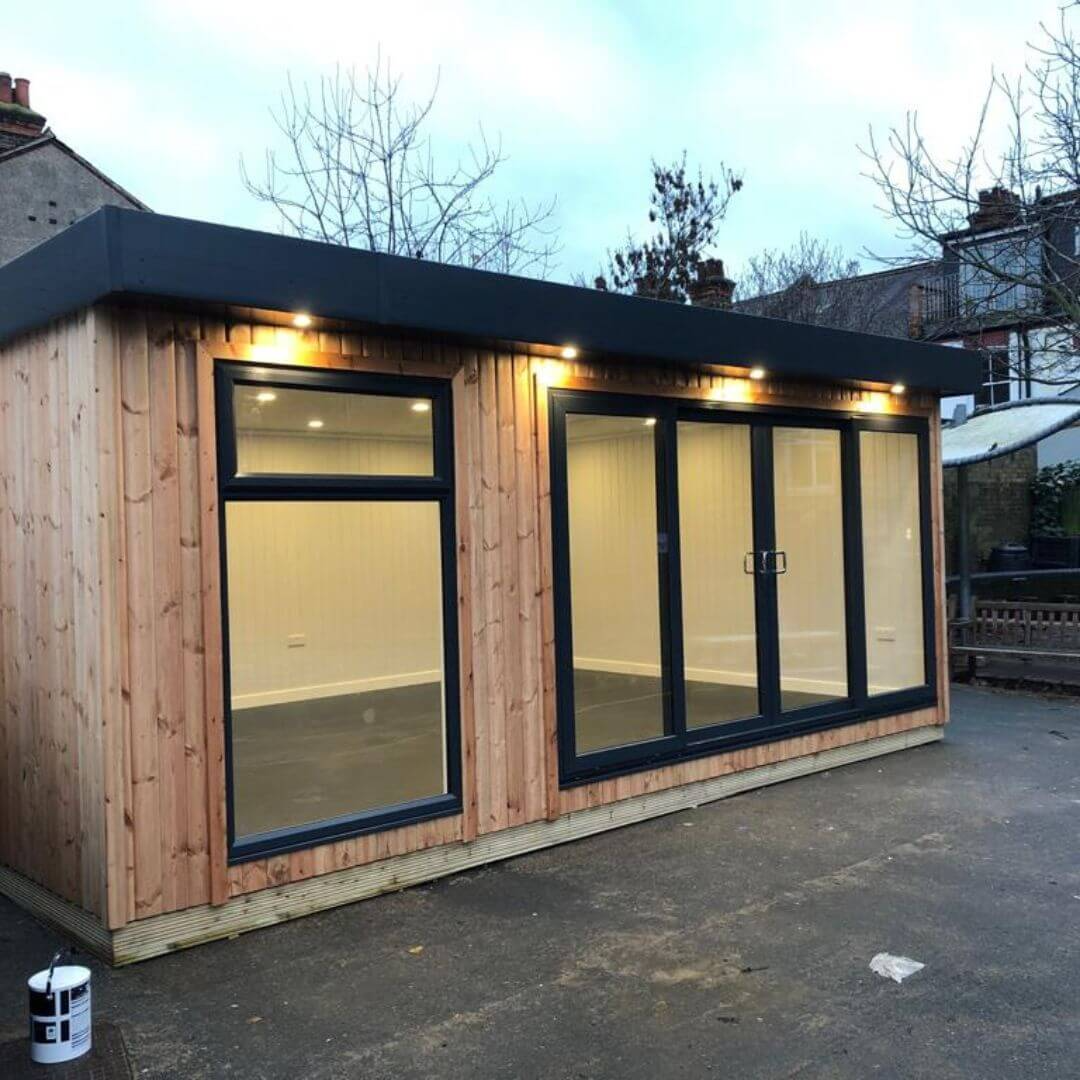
(569, 352)
(314, 423)
(264, 397)
(897, 388)
(421, 406)
(549, 372)
(757, 373)
(283, 353)
(301, 321)
(650, 421)
(873, 402)
(731, 390)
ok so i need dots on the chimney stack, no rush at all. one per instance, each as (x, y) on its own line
(998, 208)
(18, 122)
(712, 288)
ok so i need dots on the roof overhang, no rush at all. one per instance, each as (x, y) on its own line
(1004, 429)
(117, 254)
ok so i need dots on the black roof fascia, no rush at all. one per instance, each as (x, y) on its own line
(117, 252)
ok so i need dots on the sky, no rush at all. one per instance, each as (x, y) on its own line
(166, 95)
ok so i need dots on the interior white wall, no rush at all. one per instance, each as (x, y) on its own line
(716, 529)
(809, 528)
(613, 555)
(892, 560)
(330, 598)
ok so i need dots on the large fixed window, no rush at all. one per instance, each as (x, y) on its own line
(338, 556)
(726, 576)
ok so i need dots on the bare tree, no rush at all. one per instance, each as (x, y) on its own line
(815, 282)
(686, 213)
(357, 169)
(1002, 213)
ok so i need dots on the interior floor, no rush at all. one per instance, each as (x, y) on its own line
(320, 758)
(307, 761)
(613, 709)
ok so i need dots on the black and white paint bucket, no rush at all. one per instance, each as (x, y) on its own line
(59, 1014)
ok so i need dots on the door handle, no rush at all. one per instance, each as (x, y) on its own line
(779, 562)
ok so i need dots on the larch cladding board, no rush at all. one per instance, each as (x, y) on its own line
(112, 726)
(59, 504)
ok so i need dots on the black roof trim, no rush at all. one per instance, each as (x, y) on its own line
(115, 253)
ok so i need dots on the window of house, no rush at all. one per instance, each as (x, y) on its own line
(989, 271)
(996, 385)
(338, 551)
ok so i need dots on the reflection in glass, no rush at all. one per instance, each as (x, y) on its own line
(614, 580)
(322, 432)
(335, 658)
(892, 560)
(716, 528)
(809, 529)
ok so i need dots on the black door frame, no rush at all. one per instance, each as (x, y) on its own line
(770, 723)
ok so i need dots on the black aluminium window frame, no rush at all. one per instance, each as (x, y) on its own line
(265, 487)
(770, 724)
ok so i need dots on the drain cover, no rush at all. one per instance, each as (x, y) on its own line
(107, 1060)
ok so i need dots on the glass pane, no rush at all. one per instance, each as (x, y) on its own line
(809, 529)
(716, 528)
(892, 560)
(282, 430)
(336, 658)
(614, 580)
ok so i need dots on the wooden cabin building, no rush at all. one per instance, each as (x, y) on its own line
(324, 572)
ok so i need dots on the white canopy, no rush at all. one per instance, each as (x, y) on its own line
(1005, 428)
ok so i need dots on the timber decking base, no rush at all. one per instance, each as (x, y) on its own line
(160, 934)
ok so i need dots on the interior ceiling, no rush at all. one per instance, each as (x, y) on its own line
(581, 427)
(343, 414)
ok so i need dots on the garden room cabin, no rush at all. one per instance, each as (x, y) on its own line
(324, 572)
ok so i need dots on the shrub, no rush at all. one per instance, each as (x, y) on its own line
(1055, 493)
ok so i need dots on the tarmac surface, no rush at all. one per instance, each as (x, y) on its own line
(730, 941)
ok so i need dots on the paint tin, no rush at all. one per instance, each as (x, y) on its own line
(59, 1014)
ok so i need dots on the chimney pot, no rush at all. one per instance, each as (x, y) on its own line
(22, 93)
(712, 288)
(5, 88)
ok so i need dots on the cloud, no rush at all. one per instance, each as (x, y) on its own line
(166, 96)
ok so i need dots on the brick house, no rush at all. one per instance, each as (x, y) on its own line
(45, 185)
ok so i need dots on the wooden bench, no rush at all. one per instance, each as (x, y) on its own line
(1024, 630)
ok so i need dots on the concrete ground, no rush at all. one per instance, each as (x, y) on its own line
(730, 941)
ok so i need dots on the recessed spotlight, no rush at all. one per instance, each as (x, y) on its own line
(650, 421)
(265, 396)
(757, 373)
(897, 388)
(301, 321)
(421, 406)
(569, 352)
(314, 423)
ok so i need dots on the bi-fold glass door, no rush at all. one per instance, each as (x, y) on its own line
(709, 575)
(763, 568)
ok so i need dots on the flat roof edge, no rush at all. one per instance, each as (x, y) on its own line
(117, 252)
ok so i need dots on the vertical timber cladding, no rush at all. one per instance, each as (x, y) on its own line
(171, 837)
(58, 676)
(164, 787)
